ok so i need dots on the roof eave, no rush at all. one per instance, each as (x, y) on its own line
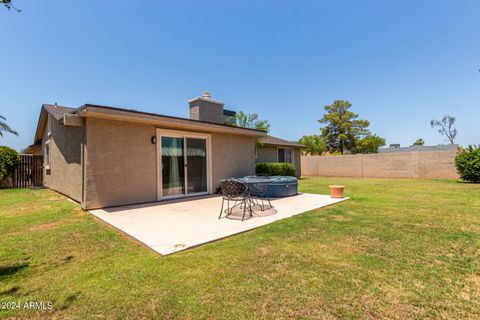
(41, 120)
(284, 145)
(89, 110)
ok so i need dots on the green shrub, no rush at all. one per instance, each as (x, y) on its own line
(468, 164)
(275, 169)
(9, 161)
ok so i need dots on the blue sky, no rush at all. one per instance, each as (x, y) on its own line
(401, 63)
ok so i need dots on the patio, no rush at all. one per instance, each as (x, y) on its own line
(171, 226)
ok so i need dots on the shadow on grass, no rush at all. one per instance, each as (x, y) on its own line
(6, 271)
(68, 301)
(12, 290)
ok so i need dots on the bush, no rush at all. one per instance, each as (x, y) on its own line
(276, 169)
(468, 164)
(9, 161)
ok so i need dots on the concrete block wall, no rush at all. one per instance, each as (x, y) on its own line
(428, 165)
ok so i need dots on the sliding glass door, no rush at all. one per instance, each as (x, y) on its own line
(196, 165)
(184, 164)
(173, 166)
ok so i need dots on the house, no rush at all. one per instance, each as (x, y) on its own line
(279, 150)
(103, 156)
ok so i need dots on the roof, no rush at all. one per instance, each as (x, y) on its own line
(57, 111)
(440, 147)
(274, 141)
(98, 111)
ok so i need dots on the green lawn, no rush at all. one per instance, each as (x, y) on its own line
(398, 249)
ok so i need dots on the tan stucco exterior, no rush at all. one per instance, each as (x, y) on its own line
(232, 156)
(270, 154)
(121, 162)
(106, 157)
(65, 173)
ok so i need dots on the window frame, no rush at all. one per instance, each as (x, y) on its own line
(292, 161)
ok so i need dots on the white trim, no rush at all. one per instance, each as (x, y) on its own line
(183, 134)
(48, 157)
(49, 126)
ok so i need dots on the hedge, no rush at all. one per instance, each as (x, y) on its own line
(9, 161)
(468, 164)
(276, 169)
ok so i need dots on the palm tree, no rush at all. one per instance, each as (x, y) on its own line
(5, 127)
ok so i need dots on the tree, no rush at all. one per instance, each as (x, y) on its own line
(342, 129)
(314, 145)
(252, 121)
(446, 127)
(5, 127)
(419, 142)
(468, 164)
(369, 144)
(9, 161)
(8, 4)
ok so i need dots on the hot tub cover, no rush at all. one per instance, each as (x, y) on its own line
(277, 179)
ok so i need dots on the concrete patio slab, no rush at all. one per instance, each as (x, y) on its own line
(172, 226)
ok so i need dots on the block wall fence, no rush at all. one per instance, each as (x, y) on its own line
(414, 164)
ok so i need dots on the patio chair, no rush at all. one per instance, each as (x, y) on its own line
(259, 193)
(233, 190)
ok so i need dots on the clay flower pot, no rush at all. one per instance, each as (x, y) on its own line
(337, 191)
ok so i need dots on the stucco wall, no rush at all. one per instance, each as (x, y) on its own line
(432, 165)
(206, 111)
(269, 154)
(120, 163)
(297, 161)
(65, 173)
(232, 156)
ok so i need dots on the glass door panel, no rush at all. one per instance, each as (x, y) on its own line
(173, 166)
(196, 165)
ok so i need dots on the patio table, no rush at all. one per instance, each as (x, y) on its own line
(256, 184)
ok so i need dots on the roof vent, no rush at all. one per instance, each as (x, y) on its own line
(206, 95)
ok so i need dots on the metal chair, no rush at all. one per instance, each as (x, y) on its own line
(259, 193)
(233, 190)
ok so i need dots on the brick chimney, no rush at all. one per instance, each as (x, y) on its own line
(204, 108)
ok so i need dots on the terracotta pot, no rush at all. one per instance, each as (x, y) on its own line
(337, 191)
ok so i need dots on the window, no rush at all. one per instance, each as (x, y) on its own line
(281, 155)
(285, 155)
(47, 155)
(288, 155)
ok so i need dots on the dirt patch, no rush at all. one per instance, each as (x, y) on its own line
(475, 281)
(340, 218)
(45, 226)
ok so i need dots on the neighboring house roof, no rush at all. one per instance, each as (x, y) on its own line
(106, 112)
(440, 147)
(274, 141)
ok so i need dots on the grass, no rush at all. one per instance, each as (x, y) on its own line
(398, 249)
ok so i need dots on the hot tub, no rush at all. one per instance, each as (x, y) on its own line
(281, 186)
